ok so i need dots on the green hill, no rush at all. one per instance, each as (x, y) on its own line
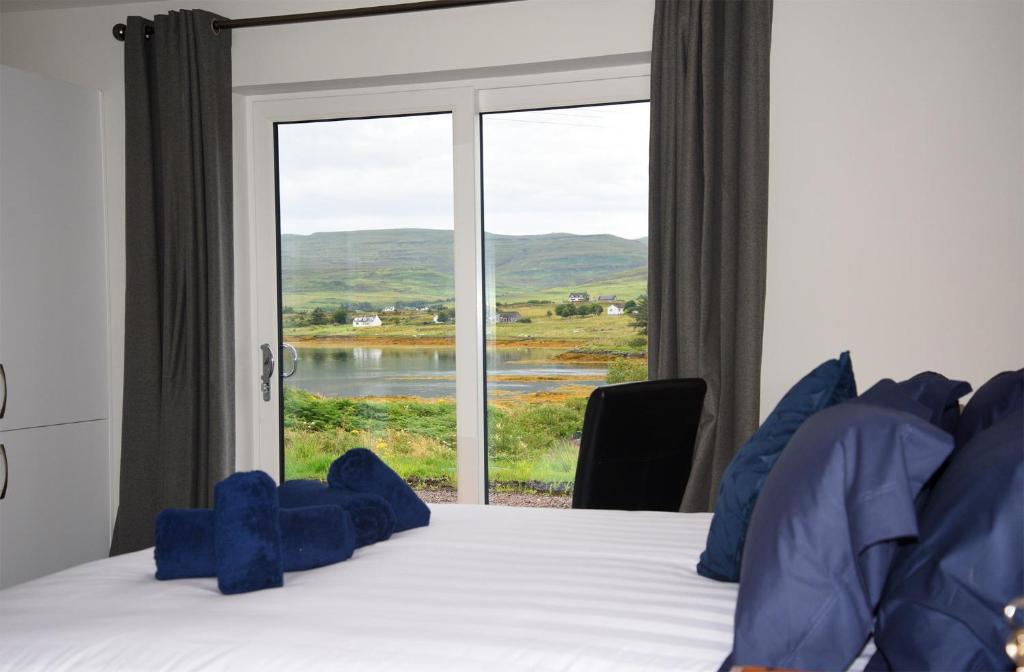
(410, 265)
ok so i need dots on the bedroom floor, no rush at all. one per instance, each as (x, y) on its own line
(535, 500)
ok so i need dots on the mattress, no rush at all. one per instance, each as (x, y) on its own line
(480, 588)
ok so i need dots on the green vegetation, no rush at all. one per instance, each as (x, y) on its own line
(365, 270)
(581, 309)
(626, 370)
(530, 443)
(330, 278)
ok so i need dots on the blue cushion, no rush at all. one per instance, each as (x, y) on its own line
(360, 470)
(824, 532)
(373, 517)
(830, 383)
(940, 395)
(247, 537)
(1001, 395)
(942, 604)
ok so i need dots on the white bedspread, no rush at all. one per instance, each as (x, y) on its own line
(481, 588)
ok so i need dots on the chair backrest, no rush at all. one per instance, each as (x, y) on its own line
(637, 445)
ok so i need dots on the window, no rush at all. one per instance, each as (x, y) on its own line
(366, 213)
(565, 234)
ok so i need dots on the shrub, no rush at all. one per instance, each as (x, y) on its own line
(625, 370)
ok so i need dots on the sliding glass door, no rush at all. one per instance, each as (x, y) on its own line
(367, 295)
(385, 314)
(565, 226)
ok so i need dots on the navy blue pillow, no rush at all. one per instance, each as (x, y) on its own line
(887, 393)
(940, 395)
(1001, 395)
(943, 601)
(830, 383)
(824, 532)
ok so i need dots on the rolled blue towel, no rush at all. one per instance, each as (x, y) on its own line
(314, 536)
(359, 470)
(184, 544)
(372, 516)
(246, 533)
(311, 536)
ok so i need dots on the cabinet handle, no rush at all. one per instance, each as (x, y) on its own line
(3, 382)
(3, 457)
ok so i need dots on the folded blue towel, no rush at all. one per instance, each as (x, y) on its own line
(311, 536)
(373, 517)
(359, 470)
(246, 533)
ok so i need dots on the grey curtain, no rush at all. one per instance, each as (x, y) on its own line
(177, 435)
(708, 216)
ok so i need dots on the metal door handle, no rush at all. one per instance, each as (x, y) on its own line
(295, 360)
(3, 458)
(3, 382)
(268, 370)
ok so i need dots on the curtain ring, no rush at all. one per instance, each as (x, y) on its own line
(213, 27)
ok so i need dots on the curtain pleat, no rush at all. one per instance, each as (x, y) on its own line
(708, 216)
(178, 422)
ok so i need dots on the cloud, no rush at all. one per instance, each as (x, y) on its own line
(577, 170)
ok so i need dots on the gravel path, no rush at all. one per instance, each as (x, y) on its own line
(447, 495)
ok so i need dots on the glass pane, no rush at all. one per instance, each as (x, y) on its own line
(565, 222)
(367, 295)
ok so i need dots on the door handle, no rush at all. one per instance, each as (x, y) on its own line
(268, 370)
(3, 458)
(295, 359)
(3, 382)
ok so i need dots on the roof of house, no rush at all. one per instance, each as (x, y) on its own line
(606, 297)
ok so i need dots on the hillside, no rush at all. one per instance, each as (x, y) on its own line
(416, 265)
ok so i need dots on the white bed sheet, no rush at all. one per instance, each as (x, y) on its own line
(481, 588)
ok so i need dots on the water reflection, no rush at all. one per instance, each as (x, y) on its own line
(430, 372)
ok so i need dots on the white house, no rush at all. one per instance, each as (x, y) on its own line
(509, 317)
(616, 309)
(578, 297)
(388, 309)
(366, 321)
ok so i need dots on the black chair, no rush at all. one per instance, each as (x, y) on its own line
(637, 445)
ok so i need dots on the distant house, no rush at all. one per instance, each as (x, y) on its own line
(388, 309)
(509, 317)
(605, 298)
(578, 297)
(617, 309)
(366, 321)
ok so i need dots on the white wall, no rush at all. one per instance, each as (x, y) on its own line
(896, 224)
(896, 216)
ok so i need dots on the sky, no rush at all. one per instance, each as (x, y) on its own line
(576, 170)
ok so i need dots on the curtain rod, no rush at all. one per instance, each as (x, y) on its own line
(330, 15)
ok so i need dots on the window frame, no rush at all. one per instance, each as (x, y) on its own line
(258, 423)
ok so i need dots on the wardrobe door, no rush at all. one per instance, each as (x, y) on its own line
(53, 289)
(56, 511)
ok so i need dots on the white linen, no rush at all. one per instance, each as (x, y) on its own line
(481, 588)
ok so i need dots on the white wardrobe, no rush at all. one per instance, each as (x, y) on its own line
(54, 386)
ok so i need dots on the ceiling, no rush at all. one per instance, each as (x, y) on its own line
(29, 5)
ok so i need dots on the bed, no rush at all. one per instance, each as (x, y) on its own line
(480, 588)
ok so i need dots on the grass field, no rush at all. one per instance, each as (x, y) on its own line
(594, 333)
(530, 445)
